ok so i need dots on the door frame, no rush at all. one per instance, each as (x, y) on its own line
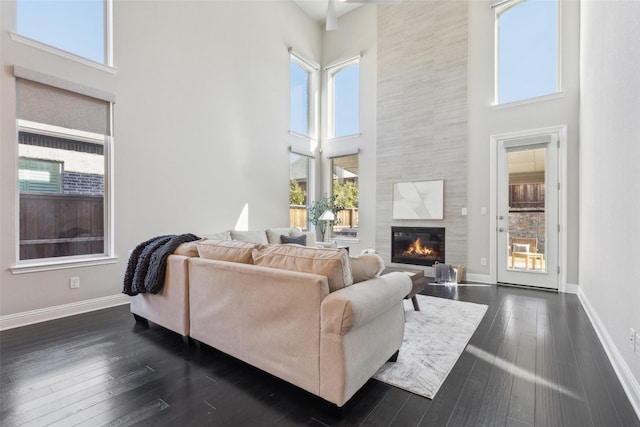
(561, 133)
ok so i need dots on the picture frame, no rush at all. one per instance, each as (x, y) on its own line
(418, 200)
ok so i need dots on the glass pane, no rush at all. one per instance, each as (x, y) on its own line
(345, 190)
(299, 99)
(527, 213)
(61, 184)
(77, 26)
(298, 190)
(346, 99)
(528, 50)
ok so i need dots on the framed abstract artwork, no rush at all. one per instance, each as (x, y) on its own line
(418, 200)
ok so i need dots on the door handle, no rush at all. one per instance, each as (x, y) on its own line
(501, 217)
(501, 230)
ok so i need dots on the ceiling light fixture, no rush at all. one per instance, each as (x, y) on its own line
(332, 20)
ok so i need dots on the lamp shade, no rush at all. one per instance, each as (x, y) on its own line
(327, 216)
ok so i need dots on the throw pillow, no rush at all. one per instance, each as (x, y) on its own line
(250, 236)
(227, 250)
(334, 264)
(519, 247)
(298, 240)
(311, 235)
(273, 234)
(366, 266)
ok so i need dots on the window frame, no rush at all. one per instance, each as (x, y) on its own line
(56, 263)
(106, 65)
(332, 70)
(500, 7)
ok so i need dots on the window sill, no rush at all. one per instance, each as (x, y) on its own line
(59, 52)
(537, 99)
(37, 266)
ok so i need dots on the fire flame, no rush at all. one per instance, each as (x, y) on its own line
(416, 248)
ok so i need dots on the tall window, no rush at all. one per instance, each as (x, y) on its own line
(302, 97)
(345, 188)
(344, 99)
(527, 49)
(79, 26)
(298, 190)
(63, 147)
(299, 99)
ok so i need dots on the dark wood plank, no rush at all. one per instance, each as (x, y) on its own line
(531, 349)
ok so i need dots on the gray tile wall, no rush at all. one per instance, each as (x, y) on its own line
(422, 113)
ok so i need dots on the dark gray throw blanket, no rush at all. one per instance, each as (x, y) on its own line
(146, 268)
(444, 273)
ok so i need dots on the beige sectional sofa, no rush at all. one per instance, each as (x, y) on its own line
(289, 310)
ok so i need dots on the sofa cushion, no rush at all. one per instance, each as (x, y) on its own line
(273, 234)
(250, 236)
(366, 266)
(225, 235)
(189, 249)
(227, 250)
(297, 240)
(332, 263)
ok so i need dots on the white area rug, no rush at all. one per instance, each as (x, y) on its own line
(434, 338)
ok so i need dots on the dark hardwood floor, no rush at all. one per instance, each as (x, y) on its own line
(534, 360)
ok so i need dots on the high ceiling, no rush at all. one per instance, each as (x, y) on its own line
(317, 9)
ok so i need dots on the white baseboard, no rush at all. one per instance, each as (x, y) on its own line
(569, 288)
(42, 315)
(481, 278)
(628, 381)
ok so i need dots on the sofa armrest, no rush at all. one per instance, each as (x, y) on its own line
(357, 304)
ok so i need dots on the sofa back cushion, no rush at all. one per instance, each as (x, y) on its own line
(259, 236)
(366, 266)
(273, 234)
(332, 263)
(227, 250)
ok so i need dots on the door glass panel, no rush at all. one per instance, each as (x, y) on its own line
(527, 210)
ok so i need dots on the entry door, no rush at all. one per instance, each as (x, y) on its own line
(527, 211)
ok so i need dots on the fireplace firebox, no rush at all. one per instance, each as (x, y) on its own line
(417, 245)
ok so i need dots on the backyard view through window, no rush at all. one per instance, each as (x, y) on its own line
(61, 181)
(345, 189)
(527, 49)
(298, 190)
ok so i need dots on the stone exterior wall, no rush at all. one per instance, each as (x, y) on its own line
(528, 224)
(82, 183)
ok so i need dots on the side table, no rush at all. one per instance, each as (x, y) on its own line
(417, 279)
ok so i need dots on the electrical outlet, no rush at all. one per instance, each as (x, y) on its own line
(74, 282)
(464, 211)
(637, 344)
(632, 339)
(483, 261)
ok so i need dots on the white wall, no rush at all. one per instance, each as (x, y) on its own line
(609, 177)
(485, 121)
(201, 128)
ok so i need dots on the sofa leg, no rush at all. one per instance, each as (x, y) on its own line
(394, 357)
(185, 339)
(140, 319)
